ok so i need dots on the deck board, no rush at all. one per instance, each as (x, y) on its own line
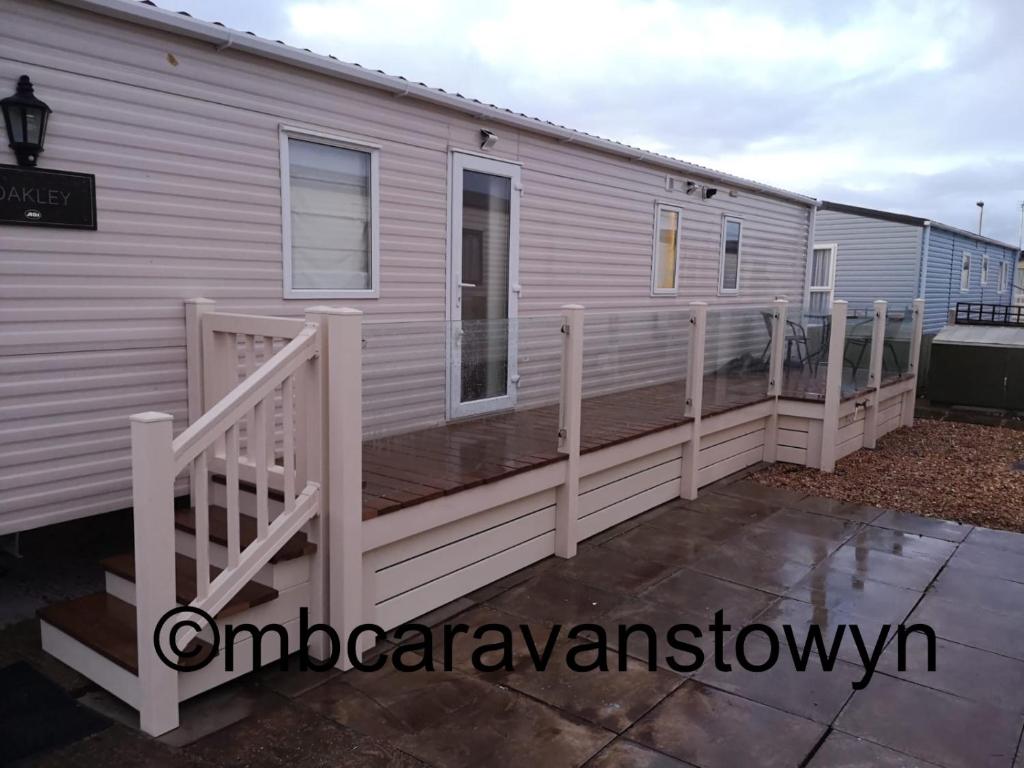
(410, 468)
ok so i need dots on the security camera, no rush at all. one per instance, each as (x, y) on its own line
(691, 187)
(487, 139)
(708, 193)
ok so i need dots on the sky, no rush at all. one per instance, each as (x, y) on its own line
(907, 106)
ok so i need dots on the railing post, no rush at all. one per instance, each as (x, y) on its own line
(341, 382)
(194, 311)
(913, 364)
(833, 386)
(153, 500)
(310, 467)
(776, 371)
(878, 328)
(688, 478)
(570, 410)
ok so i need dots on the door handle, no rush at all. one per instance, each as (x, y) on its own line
(467, 285)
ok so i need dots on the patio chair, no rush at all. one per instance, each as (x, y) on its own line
(795, 340)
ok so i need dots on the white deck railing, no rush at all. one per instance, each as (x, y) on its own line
(264, 387)
(283, 381)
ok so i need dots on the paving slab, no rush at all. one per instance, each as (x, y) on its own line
(453, 720)
(832, 588)
(843, 751)
(558, 600)
(613, 698)
(623, 753)
(674, 548)
(902, 543)
(901, 570)
(811, 693)
(748, 489)
(824, 527)
(1010, 540)
(691, 592)
(846, 510)
(710, 728)
(969, 625)
(925, 526)
(800, 617)
(610, 569)
(971, 673)
(989, 560)
(289, 735)
(750, 567)
(932, 725)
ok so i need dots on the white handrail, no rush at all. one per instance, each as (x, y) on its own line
(215, 422)
(253, 558)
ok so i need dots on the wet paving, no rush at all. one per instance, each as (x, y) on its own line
(790, 564)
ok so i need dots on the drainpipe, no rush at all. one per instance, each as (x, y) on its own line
(811, 237)
(926, 236)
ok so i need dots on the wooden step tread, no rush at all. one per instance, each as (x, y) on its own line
(106, 625)
(297, 546)
(247, 487)
(249, 596)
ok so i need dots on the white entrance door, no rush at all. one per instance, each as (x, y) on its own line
(483, 285)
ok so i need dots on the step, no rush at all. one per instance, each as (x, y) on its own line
(249, 596)
(96, 636)
(272, 493)
(297, 546)
(103, 624)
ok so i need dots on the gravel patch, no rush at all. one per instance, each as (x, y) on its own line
(948, 470)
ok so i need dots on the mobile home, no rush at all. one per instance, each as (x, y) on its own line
(862, 254)
(392, 343)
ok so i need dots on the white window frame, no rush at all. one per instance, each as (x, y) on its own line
(674, 290)
(342, 142)
(722, 290)
(984, 270)
(965, 258)
(830, 289)
(1004, 273)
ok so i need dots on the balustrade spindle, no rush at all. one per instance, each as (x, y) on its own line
(288, 427)
(201, 504)
(232, 493)
(258, 446)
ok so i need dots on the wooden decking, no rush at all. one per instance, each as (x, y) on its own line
(414, 467)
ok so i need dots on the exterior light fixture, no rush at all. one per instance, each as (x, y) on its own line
(25, 117)
(487, 139)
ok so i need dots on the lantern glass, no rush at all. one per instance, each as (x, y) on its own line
(16, 121)
(25, 117)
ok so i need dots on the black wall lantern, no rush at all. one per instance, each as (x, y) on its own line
(25, 117)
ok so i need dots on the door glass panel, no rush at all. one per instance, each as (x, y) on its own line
(486, 219)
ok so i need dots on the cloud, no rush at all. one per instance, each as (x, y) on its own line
(911, 105)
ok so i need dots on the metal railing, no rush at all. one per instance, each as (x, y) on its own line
(989, 314)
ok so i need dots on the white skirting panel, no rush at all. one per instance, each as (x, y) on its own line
(850, 436)
(730, 450)
(793, 436)
(889, 414)
(607, 498)
(417, 574)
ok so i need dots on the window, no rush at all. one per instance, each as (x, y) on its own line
(665, 266)
(329, 194)
(984, 270)
(1004, 276)
(729, 271)
(965, 271)
(821, 285)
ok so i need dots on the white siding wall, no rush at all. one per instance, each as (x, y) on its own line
(183, 141)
